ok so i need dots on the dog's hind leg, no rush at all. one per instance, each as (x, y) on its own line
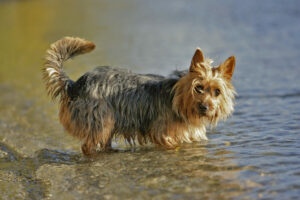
(89, 146)
(103, 137)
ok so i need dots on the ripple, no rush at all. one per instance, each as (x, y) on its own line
(288, 95)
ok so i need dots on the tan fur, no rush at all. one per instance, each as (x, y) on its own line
(103, 138)
(201, 72)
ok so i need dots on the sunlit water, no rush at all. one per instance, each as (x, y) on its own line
(253, 155)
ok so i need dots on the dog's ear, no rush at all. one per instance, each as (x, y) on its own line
(197, 59)
(227, 68)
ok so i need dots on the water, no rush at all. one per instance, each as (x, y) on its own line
(253, 155)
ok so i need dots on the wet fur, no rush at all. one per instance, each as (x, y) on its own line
(109, 102)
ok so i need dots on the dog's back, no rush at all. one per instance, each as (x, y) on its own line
(106, 81)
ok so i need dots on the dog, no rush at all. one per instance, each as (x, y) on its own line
(145, 108)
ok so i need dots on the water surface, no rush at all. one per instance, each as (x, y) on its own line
(253, 155)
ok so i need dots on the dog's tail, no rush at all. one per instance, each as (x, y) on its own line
(57, 81)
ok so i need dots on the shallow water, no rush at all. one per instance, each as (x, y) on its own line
(253, 155)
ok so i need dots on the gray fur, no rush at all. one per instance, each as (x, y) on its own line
(135, 100)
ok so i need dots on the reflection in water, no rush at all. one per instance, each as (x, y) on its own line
(255, 154)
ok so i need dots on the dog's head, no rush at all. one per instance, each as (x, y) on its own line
(205, 93)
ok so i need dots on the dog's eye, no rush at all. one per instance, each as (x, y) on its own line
(217, 92)
(199, 89)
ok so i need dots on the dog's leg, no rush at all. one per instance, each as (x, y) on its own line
(88, 148)
(103, 137)
(108, 146)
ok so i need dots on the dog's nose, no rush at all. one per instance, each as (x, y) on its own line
(203, 108)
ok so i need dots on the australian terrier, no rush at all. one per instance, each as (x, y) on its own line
(109, 102)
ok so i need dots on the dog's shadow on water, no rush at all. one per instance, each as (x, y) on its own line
(49, 156)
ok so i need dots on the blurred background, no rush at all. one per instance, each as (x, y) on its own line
(253, 155)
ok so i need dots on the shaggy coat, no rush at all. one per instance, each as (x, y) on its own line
(109, 102)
